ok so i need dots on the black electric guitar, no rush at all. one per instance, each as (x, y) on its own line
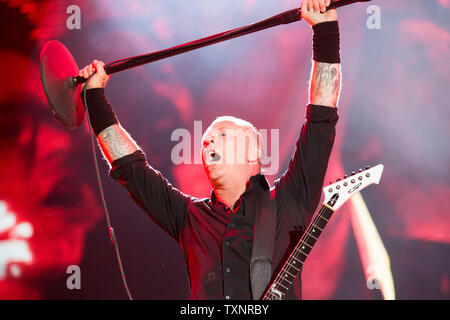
(335, 196)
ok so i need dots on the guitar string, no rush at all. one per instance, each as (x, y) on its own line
(308, 236)
(270, 294)
(289, 260)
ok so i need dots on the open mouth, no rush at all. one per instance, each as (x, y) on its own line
(213, 156)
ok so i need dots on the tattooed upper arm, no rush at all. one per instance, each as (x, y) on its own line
(325, 84)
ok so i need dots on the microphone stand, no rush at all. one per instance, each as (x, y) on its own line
(59, 69)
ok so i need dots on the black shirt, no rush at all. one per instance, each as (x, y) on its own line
(216, 242)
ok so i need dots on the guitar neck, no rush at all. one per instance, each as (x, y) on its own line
(280, 286)
(336, 195)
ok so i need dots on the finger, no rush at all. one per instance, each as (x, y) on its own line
(90, 69)
(316, 6)
(322, 6)
(99, 67)
(304, 7)
(93, 64)
(327, 2)
(309, 5)
(85, 73)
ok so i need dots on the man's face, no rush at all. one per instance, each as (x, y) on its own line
(227, 151)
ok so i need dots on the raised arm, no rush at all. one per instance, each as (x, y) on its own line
(115, 142)
(302, 182)
(325, 82)
(165, 204)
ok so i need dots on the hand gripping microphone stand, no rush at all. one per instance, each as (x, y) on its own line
(61, 83)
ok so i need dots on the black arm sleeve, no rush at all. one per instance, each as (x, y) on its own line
(303, 180)
(165, 204)
(100, 110)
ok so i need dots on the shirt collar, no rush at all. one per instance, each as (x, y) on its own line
(256, 183)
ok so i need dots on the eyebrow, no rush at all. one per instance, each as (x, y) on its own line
(226, 127)
(218, 129)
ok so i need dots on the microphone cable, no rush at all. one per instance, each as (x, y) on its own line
(100, 186)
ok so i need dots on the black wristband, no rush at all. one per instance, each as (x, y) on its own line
(326, 42)
(100, 110)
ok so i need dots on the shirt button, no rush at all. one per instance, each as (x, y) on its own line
(227, 208)
(227, 243)
(227, 297)
(227, 269)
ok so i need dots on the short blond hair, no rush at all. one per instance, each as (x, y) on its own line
(245, 124)
(238, 121)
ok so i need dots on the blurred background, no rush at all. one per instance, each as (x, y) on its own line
(394, 110)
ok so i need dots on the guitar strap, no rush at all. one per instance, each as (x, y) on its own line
(263, 240)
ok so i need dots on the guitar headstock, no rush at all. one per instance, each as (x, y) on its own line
(338, 193)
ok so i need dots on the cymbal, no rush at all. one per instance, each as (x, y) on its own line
(58, 69)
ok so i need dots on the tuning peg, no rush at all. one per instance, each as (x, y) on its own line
(345, 176)
(353, 173)
(337, 180)
(367, 167)
(360, 170)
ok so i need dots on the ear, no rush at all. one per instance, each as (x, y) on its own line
(253, 154)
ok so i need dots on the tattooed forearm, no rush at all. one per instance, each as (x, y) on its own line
(116, 143)
(325, 84)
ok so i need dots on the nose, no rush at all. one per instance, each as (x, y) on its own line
(208, 140)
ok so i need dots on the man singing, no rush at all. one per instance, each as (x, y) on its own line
(235, 241)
